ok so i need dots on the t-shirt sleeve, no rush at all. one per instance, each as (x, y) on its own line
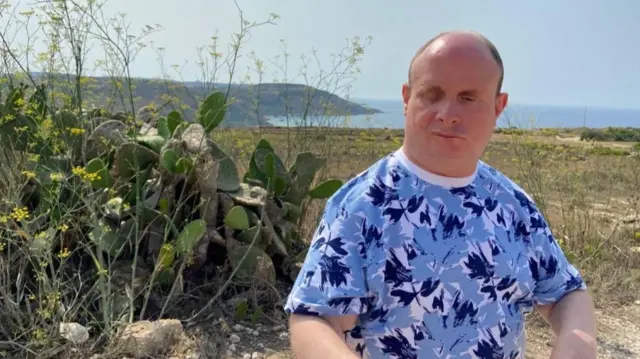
(554, 275)
(332, 279)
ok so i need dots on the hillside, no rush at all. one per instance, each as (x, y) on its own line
(249, 104)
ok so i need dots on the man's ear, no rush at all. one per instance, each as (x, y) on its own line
(501, 103)
(406, 94)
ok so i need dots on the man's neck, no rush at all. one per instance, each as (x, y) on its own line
(439, 167)
(429, 176)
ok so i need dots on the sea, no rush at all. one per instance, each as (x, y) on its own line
(518, 116)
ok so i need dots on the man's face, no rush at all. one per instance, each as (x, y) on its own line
(451, 106)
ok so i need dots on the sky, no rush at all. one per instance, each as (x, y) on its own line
(561, 52)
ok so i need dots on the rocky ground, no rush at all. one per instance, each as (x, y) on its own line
(619, 338)
(225, 338)
(618, 331)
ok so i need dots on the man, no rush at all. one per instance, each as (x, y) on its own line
(431, 253)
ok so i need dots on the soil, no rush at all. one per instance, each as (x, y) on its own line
(618, 335)
(618, 331)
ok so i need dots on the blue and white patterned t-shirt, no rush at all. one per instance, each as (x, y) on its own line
(434, 267)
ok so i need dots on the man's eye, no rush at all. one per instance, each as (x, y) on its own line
(431, 96)
(468, 98)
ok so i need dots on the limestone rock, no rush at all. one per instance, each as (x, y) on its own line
(74, 332)
(234, 338)
(148, 130)
(149, 338)
(146, 114)
(195, 138)
(106, 135)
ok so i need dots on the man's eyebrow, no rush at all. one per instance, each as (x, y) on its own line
(430, 88)
(473, 92)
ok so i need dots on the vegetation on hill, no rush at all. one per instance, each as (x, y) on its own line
(248, 104)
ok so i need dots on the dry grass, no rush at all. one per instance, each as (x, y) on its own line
(587, 190)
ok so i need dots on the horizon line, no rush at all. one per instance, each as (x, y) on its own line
(354, 97)
(512, 103)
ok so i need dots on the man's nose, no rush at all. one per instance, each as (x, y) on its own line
(448, 114)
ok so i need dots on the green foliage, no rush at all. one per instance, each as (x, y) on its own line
(510, 131)
(170, 160)
(154, 201)
(325, 189)
(190, 236)
(237, 218)
(228, 177)
(259, 168)
(132, 158)
(153, 143)
(618, 134)
(303, 172)
(211, 112)
(103, 178)
(608, 151)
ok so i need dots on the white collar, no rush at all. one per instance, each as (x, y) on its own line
(430, 177)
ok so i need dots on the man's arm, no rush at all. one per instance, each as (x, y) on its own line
(573, 313)
(314, 337)
(573, 321)
(331, 290)
(561, 295)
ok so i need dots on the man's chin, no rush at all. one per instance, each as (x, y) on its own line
(453, 152)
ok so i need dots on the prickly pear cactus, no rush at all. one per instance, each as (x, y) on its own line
(132, 158)
(165, 199)
(228, 178)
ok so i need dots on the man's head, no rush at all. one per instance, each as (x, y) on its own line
(452, 101)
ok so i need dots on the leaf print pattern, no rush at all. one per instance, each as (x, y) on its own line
(406, 296)
(431, 271)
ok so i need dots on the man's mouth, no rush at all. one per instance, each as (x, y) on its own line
(447, 135)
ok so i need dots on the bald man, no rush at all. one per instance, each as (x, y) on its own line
(431, 253)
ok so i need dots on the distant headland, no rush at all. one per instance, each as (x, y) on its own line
(249, 104)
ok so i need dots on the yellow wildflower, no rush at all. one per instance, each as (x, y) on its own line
(87, 176)
(20, 214)
(39, 336)
(29, 174)
(20, 102)
(92, 177)
(8, 117)
(56, 176)
(64, 253)
(47, 124)
(32, 157)
(76, 131)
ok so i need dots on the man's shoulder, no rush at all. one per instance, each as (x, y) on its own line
(355, 194)
(507, 186)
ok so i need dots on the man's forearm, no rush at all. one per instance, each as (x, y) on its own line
(313, 337)
(574, 312)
